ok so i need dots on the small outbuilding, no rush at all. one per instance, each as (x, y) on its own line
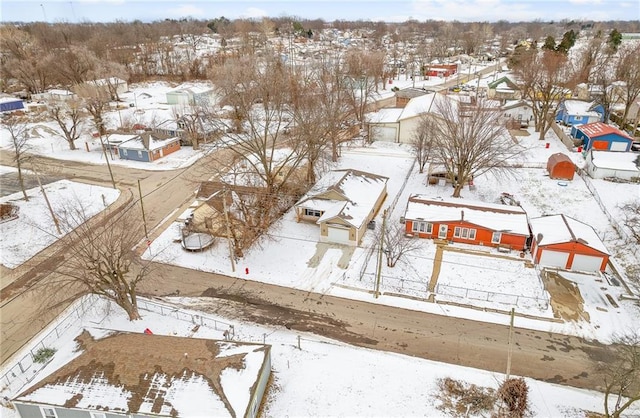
(566, 243)
(560, 167)
(602, 137)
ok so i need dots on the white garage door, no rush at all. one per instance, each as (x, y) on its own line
(384, 133)
(337, 234)
(618, 146)
(553, 259)
(586, 263)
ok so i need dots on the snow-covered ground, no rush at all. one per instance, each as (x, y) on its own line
(472, 280)
(285, 258)
(34, 229)
(323, 377)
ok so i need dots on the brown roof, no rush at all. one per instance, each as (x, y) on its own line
(127, 362)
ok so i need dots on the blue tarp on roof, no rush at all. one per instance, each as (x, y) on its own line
(8, 104)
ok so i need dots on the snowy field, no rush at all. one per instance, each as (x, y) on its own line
(34, 229)
(323, 377)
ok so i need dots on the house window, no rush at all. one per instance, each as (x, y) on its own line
(495, 238)
(423, 227)
(123, 152)
(139, 154)
(577, 118)
(48, 412)
(312, 212)
(464, 233)
(97, 415)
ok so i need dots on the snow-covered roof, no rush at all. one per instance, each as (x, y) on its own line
(154, 142)
(513, 104)
(496, 217)
(110, 80)
(386, 115)
(61, 92)
(419, 105)
(361, 189)
(558, 229)
(117, 139)
(579, 108)
(623, 161)
(159, 375)
(8, 99)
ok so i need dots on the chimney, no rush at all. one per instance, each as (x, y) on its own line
(462, 215)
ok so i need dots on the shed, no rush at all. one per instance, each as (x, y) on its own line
(566, 243)
(560, 167)
(602, 137)
(607, 164)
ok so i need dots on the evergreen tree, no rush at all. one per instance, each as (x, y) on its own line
(549, 43)
(615, 39)
(568, 40)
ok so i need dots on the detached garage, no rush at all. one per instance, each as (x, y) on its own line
(560, 167)
(566, 243)
(602, 137)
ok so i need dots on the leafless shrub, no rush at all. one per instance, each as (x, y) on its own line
(514, 393)
(462, 399)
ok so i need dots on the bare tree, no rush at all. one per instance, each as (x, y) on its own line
(544, 76)
(628, 71)
(395, 244)
(320, 115)
(260, 94)
(17, 128)
(68, 116)
(622, 376)
(109, 74)
(421, 142)
(470, 141)
(73, 65)
(360, 83)
(101, 257)
(96, 102)
(24, 59)
(631, 215)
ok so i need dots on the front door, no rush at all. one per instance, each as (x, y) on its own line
(442, 232)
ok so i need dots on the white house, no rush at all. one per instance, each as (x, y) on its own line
(113, 83)
(517, 110)
(399, 124)
(191, 96)
(611, 164)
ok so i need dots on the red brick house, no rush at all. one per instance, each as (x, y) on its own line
(468, 222)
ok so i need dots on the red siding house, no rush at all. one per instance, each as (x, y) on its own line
(566, 243)
(468, 222)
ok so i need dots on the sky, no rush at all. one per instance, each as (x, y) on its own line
(329, 10)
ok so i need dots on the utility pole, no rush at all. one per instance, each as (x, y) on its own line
(376, 292)
(510, 349)
(144, 218)
(106, 158)
(46, 199)
(226, 220)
